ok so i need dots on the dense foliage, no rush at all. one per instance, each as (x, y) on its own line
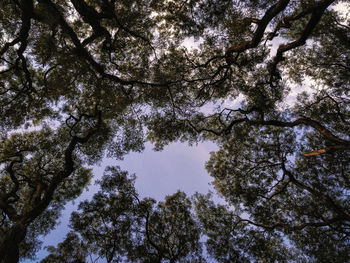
(116, 225)
(267, 81)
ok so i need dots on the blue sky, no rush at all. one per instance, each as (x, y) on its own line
(178, 166)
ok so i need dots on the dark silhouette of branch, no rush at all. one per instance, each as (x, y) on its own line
(42, 197)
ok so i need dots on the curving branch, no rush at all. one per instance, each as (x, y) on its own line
(262, 23)
(290, 227)
(316, 14)
(316, 11)
(90, 16)
(339, 143)
(93, 19)
(41, 198)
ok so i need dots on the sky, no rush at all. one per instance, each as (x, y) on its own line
(159, 173)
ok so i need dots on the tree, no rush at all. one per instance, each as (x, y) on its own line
(231, 240)
(71, 250)
(68, 71)
(283, 162)
(79, 73)
(119, 227)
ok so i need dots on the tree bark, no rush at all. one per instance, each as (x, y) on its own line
(9, 246)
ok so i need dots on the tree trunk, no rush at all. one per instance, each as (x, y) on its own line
(9, 244)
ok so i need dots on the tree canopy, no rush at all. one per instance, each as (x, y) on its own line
(117, 225)
(267, 81)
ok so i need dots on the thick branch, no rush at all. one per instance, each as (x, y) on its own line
(326, 133)
(82, 52)
(259, 32)
(10, 242)
(290, 227)
(90, 16)
(316, 16)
